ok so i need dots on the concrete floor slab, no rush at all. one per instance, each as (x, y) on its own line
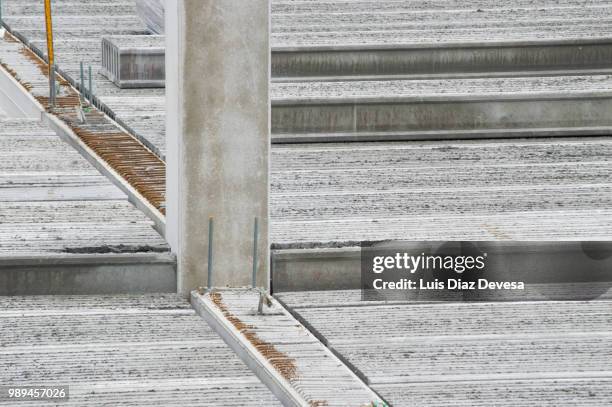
(294, 365)
(128, 350)
(515, 353)
(65, 228)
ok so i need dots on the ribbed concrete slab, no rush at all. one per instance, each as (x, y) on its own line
(515, 353)
(334, 196)
(285, 356)
(524, 393)
(456, 319)
(553, 37)
(297, 300)
(65, 228)
(128, 350)
(340, 38)
(320, 111)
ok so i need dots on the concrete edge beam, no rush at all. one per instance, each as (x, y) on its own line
(87, 259)
(246, 351)
(402, 60)
(88, 277)
(340, 268)
(488, 115)
(509, 58)
(134, 62)
(340, 137)
(297, 391)
(316, 269)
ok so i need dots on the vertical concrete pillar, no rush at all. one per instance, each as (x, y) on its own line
(218, 138)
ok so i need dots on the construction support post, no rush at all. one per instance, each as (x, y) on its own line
(50, 55)
(218, 139)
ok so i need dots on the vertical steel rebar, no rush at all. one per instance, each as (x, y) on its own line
(255, 239)
(210, 251)
(91, 96)
(52, 85)
(83, 94)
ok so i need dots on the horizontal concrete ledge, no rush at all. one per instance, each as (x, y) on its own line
(340, 268)
(316, 269)
(440, 58)
(439, 135)
(443, 44)
(85, 275)
(443, 114)
(247, 352)
(444, 75)
(382, 99)
(87, 259)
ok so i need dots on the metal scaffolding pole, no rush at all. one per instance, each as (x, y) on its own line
(50, 56)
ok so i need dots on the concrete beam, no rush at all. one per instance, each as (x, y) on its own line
(134, 61)
(218, 121)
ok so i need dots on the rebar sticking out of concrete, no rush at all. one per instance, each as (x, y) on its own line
(210, 251)
(255, 241)
(91, 97)
(83, 95)
(52, 85)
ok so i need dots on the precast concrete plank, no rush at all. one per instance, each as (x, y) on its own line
(440, 320)
(128, 350)
(288, 358)
(585, 392)
(100, 303)
(425, 361)
(524, 353)
(54, 203)
(296, 300)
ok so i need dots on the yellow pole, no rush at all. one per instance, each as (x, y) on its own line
(50, 55)
(49, 32)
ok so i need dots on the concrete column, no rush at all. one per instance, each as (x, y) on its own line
(218, 138)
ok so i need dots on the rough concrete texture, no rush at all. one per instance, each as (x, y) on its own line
(55, 202)
(122, 350)
(335, 195)
(575, 33)
(488, 190)
(281, 351)
(219, 150)
(64, 228)
(469, 354)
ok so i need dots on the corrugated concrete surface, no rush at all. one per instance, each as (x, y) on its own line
(332, 194)
(284, 354)
(469, 354)
(54, 202)
(122, 350)
(344, 25)
(65, 228)
(335, 195)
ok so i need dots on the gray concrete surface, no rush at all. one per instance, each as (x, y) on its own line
(134, 61)
(289, 359)
(122, 350)
(336, 195)
(468, 354)
(477, 36)
(64, 228)
(218, 154)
